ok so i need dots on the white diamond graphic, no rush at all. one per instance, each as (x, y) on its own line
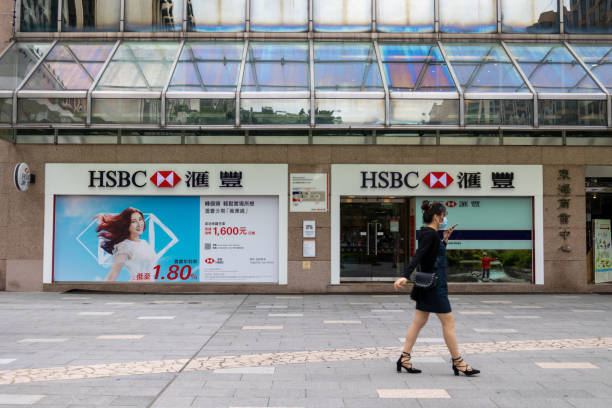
(153, 223)
(160, 179)
(443, 180)
(433, 180)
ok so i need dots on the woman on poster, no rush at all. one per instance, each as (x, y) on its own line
(120, 236)
(431, 255)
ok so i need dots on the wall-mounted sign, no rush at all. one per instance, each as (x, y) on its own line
(163, 223)
(308, 192)
(309, 229)
(309, 248)
(22, 176)
(602, 243)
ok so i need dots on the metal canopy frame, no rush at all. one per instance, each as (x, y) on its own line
(312, 94)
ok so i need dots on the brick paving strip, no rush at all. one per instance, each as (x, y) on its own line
(278, 359)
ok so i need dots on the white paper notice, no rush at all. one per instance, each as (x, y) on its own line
(309, 249)
(239, 239)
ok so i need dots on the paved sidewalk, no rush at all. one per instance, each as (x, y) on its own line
(111, 350)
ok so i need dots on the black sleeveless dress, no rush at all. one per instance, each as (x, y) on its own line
(431, 255)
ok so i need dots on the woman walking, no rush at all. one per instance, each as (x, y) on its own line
(433, 300)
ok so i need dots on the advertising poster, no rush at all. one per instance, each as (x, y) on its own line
(308, 192)
(492, 241)
(160, 239)
(602, 244)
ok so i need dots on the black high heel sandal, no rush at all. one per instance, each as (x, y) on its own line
(400, 364)
(457, 361)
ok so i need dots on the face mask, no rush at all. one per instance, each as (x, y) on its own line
(444, 223)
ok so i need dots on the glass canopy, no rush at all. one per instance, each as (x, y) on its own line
(196, 84)
(405, 16)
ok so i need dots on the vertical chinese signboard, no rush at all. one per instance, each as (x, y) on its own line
(603, 251)
(165, 223)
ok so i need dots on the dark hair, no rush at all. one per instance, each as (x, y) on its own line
(112, 229)
(431, 209)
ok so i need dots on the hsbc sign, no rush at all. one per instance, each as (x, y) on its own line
(438, 179)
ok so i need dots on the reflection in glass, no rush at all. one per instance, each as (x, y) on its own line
(208, 67)
(276, 67)
(342, 15)
(91, 15)
(52, 110)
(468, 16)
(200, 111)
(424, 112)
(346, 67)
(530, 16)
(572, 113)
(599, 60)
(139, 66)
(551, 68)
(275, 111)
(153, 15)
(350, 111)
(6, 110)
(587, 16)
(17, 62)
(136, 111)
(499, 112)
(484, 68)
(215, 15)
(415, 68)
(405, 16)
(279, 15)
(38, 15)
(70, 66)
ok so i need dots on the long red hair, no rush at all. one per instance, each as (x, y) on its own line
(112, 229)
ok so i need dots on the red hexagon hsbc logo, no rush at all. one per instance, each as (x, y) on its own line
(165, 179)
(438, 179)
(451, 204)
(209, 261)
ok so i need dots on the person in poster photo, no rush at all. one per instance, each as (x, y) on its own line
(120, 236)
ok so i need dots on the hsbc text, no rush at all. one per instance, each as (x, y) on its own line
(388, 179)
(101, 178)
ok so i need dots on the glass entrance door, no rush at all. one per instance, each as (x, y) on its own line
(372, 243)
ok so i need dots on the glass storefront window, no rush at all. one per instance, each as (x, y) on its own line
(214, 15)
(572, 113)
(91, 15)
(38, 15)
(415, 68)
(279, 15)
(468, 16)
(207, 67)
(126, 111)
(275, 111)
(154, 15)
(530, 16)
(276, 67)
(486, 247)
(589, 17)
(517, 112)
(139, 66)
(342, 15)
(52, 110)
(484, 67)
(599, 60)
(405, 16)
(17, 62)
(200, 111)
(350, 111)
(6, 110)
(424, 112)
(342, 66)
(551, 68)
(70, 66)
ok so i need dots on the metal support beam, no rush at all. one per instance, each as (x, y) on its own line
(310, 16)
(248, 16)
(59, 16)
(451, 70)
(381, 68)
(122, 16)
(18, 16)
(561, 17)
(499, 17)
(184, 15)
(436, 16)
(525, 80)
(240, 75)
(27, 77)
(373, 16)
(312, 82)
(163, 95)
(95, 82)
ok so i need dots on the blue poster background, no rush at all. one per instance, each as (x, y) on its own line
(176, 222)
